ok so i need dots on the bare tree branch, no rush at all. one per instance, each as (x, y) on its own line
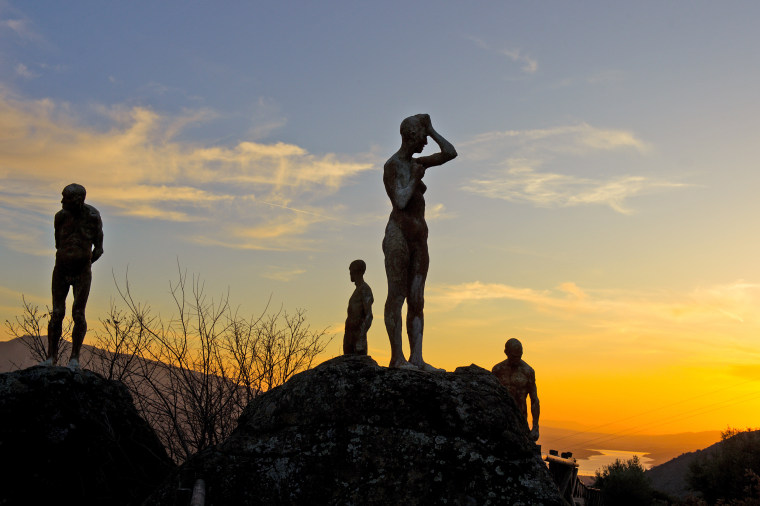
(29, 325)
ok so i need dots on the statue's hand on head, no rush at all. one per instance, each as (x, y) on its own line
(425, 121)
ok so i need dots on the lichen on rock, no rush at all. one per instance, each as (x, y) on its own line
(351, 432)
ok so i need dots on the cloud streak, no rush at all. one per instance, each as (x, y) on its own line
(25, 72)
(544, 189)
(280, 274)
(732, 303)
(520, 156)
(22, 28)
(579, 139)
(138, 167)
(529, 65)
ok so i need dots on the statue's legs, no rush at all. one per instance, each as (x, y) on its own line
(60, 289)
(81, 294)
(361, 344)
(354, 343)
(396, 253)
(419, 262)
(348, 343)
(351, 340)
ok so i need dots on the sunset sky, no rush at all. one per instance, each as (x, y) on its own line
(603, 208)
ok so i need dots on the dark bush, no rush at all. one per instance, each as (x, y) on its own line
(729, 472)
(624, 483)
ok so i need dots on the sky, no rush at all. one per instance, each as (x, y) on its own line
(602, 208)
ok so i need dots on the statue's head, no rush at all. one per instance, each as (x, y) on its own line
(514, 350)
(413, 134)
(73, 197)
(357, 269)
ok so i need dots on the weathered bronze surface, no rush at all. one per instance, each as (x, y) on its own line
(405, 242)
(359, 312)
(520, 380)
(78, 243)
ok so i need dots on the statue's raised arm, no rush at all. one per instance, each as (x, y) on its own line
(405, 241)
(447, 152)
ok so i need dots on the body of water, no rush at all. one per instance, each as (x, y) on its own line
(589, 466)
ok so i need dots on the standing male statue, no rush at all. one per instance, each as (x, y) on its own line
(405, 242)
(359, 312)
(78, 243)
(520, 380)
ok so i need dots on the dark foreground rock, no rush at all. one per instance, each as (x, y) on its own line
(350, 432)
(74, 438)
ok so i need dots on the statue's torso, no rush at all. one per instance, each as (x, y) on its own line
(518, 380)
(76, 234)
(356, 304)
(410, 219)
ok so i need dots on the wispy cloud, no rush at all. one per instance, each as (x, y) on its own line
(520, 156)
(438, 212)
(732, 302)
(576, 139)
(528, 65)
(557, 190)
(21, 27)
(598, 78)
(672, 325)
(281, 274)
(268, 118)
(24, 72)
(161, 90)
(138, 167)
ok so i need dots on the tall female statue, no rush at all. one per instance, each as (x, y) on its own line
(405, 243)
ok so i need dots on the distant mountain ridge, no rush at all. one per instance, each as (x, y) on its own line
(660, 448)
(14, 355)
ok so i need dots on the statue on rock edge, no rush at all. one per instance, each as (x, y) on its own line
(359, 312)
(405, 242)
(520, 380)
(78, 243)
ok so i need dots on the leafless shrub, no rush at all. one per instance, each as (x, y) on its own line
(28, 326)
(191, 375)
(200, 368)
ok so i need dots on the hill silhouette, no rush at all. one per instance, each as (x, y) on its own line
(670, 477)
(660, 448)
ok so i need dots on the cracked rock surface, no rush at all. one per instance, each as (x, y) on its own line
(349, 432)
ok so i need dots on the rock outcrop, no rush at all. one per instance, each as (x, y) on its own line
(351, 432)
(71, 437)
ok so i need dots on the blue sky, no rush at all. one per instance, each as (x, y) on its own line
(602, 207)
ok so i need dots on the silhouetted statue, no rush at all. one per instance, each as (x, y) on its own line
(78, 243)
(405, 243)
(359, 312)
(520, 380)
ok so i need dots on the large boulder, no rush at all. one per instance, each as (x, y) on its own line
(351, 432)
(73, 437)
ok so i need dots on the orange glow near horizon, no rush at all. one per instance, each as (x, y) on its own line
(601, 208)
(664, 377)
